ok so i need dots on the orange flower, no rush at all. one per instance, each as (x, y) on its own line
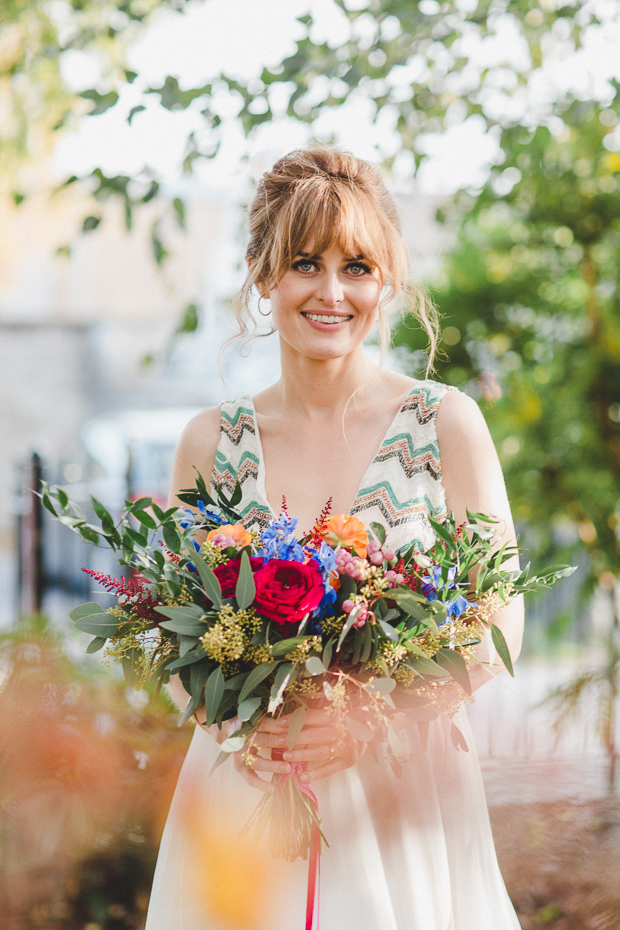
(234, 531)
(348, 532)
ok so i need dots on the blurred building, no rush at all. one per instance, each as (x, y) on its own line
(77, 325)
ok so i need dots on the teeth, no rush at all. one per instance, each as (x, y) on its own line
(324, 318)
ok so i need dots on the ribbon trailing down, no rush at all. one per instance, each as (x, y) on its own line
(313, 895)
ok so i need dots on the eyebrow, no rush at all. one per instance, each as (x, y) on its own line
(353, 258)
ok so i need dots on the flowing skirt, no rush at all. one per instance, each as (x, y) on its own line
(413, 852)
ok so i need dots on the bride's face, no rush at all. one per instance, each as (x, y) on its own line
(325, 305)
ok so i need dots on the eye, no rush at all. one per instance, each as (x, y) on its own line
(358, 269)
(305, 265)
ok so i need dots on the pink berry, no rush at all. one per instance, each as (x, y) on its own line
(376, 558)
(389, 554)
(348, 606)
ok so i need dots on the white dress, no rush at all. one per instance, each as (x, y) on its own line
(408, 853)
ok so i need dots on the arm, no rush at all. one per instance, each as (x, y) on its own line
(472, 478)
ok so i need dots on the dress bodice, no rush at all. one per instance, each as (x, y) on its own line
(402, 484)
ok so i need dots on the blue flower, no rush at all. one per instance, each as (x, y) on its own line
(279, 540)
(458, 606)
(209, 514)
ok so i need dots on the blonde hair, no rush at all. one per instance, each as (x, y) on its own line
(325, 195)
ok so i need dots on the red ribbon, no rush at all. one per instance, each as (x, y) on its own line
(314, 859)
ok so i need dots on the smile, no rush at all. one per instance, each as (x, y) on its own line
(327, 317)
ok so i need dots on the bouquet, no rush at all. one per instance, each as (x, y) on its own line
(259, 621)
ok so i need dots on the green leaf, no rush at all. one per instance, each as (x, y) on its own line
(187, 659)
(171, 538)
(187, 713)
(134, 111)
(145, 519)
(379, 531)
(247, 708)
(233, 744)
(454, 663)
(191, 612)
(502, 647)
(96, 644)
(315, 666)
(90, 609)
(130, 672)
(197, 677)
(381, 685)
(209, 581)
(89, 223)
(255, 677)
(103, 628)
(358, 730)
(214, 692)
(246, 589)
(189, 321)
(184, 627)
(350, 621)
(295, 725)
(425, 666)
(222, 757)
(327, 653)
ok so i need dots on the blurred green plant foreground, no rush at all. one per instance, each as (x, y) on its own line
(87, 772)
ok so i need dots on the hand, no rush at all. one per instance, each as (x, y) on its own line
(256, 753)
(324, 747)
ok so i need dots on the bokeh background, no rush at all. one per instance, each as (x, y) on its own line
(131, 135)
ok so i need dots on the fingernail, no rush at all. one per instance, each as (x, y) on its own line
(283, 721)
(305, 777)
(281, 740)
(285, 769)
(287, 755)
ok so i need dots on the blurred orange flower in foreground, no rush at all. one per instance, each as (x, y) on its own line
(348, 532)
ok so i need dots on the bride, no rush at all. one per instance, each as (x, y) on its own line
(409, 853)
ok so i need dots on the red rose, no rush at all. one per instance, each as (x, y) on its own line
(228, 574)
(287, 591)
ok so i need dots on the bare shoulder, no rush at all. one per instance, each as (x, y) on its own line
(471, 471)
(195, 450)
(459, 418)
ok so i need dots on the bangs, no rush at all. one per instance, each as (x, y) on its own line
(319, 214)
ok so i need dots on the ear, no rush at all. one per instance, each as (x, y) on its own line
(261, 287)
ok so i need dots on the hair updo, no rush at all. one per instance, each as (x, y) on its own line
(325, 195)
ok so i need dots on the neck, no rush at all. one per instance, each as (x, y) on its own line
(322, 387)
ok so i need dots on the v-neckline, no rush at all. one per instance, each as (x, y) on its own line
(261, 477)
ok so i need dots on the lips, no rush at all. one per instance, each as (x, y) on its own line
(327, 318)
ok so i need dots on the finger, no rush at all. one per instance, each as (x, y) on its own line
(263, 765)
(268, 740)
(310, 754)
(273, 724)
(317, 735)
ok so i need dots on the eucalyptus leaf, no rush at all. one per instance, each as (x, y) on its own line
(255, 677)
(502, 647)
(247, 708)
(214, 692)
(245, 590)
(314, 666)
(454, 663)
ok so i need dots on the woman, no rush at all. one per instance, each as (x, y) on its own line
(408, 853)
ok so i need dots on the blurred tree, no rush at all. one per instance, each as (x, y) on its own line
(531, 307)
(425, 65)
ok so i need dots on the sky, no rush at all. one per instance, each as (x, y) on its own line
(243, 36)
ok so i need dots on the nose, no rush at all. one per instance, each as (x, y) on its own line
(329, 289)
